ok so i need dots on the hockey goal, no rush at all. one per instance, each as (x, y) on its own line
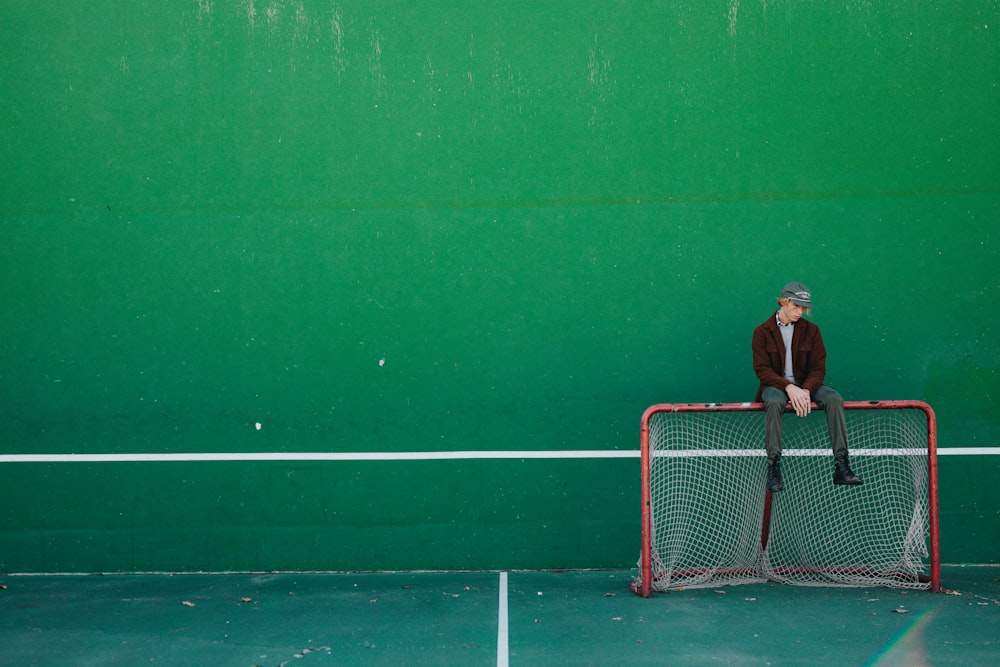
(708, 521)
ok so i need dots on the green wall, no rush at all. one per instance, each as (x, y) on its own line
(388, 226)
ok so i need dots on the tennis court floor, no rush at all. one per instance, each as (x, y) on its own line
(487, 618)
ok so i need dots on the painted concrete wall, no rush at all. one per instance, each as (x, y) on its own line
(304, 226)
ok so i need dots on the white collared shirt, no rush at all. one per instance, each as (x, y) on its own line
(787, 331)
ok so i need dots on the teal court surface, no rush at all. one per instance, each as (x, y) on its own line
(487, 618)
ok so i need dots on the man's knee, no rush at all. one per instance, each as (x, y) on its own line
(774, 399)
(828, 397)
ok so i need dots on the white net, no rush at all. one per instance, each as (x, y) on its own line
(713, 524)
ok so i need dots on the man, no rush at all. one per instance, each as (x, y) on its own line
(790, 360)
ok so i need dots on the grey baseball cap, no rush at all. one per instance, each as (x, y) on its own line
(799, 294)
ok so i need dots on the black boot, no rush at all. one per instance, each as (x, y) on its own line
(774, 477)
(842, 474)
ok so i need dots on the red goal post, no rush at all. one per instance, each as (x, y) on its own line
(707, 519)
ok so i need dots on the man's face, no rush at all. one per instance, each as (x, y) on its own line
(790, 312)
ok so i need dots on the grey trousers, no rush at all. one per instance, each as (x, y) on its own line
(827, 398)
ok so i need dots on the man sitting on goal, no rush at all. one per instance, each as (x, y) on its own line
(789, 358)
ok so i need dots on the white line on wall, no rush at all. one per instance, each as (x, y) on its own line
(318, 456)
(426, 456)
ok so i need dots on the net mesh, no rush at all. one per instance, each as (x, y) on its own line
(713, 524)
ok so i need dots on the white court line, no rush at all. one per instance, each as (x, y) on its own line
(444, 456)
(503, 659)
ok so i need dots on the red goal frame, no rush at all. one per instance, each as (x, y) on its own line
(645, 565)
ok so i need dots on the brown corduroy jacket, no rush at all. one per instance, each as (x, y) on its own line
(808, 356)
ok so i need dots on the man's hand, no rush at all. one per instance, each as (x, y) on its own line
(800, 400)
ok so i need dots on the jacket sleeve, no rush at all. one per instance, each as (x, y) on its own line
(768, 376)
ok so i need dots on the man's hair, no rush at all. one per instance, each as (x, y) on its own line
(782, 300)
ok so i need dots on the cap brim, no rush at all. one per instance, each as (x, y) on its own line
(800, 302)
